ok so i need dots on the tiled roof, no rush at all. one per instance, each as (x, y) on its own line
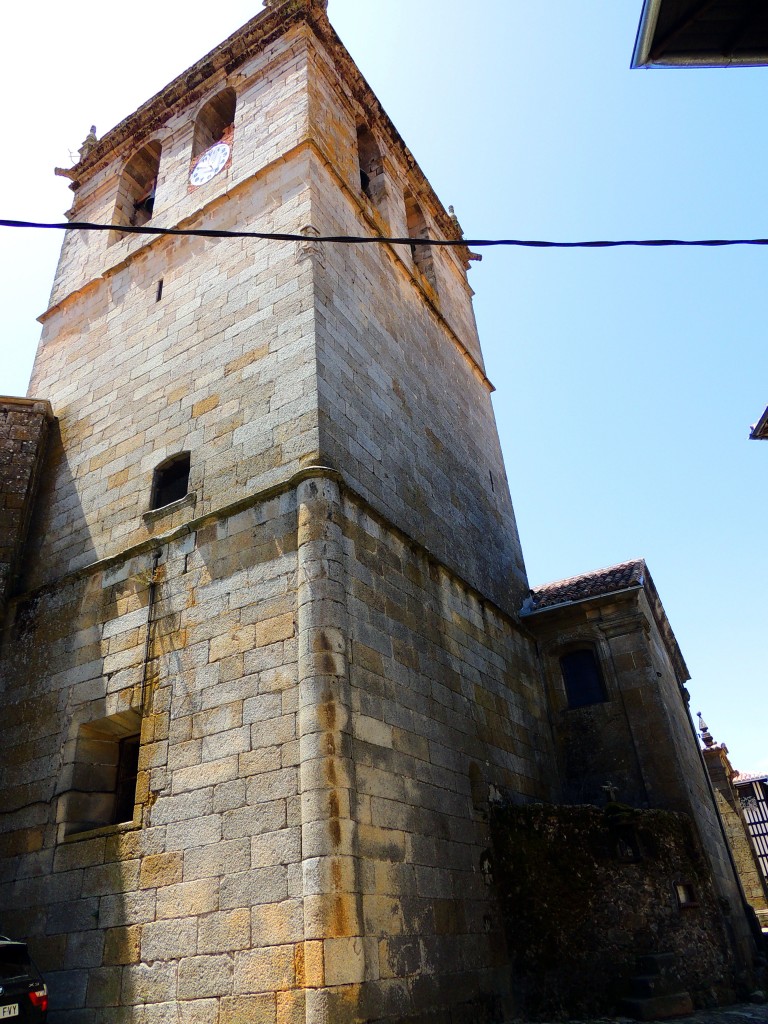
(740, 777)
(590, 584)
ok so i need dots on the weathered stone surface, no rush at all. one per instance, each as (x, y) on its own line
(588, 892)
(24, 428)
(317, 648)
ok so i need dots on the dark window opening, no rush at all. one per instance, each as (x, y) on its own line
(215, 122)
(371, 166)
(101, 781)
(171, 481)
(628, 847)
(136, 191)
(583, 679)
(417, 228)
(144, 207)
(159, 292)
(127, 774)
(686, 895)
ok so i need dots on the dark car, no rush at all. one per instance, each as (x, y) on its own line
(23, 993)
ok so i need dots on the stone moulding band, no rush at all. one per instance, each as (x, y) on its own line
(218, 201)
(226, 511)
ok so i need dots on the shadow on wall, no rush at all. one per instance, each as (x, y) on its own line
(586, 892)
(71, 683)
(58, 512)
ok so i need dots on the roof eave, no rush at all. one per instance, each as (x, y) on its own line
(641, 56)
(645, 32)
(760, 430)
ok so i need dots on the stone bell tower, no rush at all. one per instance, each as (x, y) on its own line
(261, 662)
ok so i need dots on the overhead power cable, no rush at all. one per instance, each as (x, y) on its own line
(476, 243)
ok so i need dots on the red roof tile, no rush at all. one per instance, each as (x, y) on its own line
(590, 584)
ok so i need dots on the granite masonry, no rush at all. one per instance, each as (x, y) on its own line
(265, 658)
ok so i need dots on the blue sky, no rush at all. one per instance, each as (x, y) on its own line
(627, 379)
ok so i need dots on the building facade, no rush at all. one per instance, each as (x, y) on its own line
(263, 658)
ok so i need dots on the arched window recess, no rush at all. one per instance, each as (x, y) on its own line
(213, 137)
(423, 258)
(135, 202)
(371, 166)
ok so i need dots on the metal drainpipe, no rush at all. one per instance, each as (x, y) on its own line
(148, 637)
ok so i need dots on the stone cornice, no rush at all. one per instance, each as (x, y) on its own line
(312, 472)
(39, 405)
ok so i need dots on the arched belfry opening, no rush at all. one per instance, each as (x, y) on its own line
(417, 228)
(136, 192)
(371, 167)
(215, 122)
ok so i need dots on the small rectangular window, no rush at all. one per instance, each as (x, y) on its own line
(583, 679)
(171, 481)
(103, 775)
(686, 895)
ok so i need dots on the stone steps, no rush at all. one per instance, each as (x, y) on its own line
(655, 992)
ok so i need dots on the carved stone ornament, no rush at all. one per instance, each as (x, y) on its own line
(89, 143)
(310, 248)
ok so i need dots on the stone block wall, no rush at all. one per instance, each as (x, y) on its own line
(446, 709)
(753, 882)
(640, 740)
(198, 899)
(270, 81)
(323, 711)
(580, 911)
(405, 411)
(24, 428)
(221, 366)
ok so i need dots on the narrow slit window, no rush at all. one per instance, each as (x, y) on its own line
(171, 481)
(159, 292)
(127, 774)
(583, 679)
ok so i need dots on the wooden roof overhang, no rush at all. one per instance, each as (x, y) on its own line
(702, 33)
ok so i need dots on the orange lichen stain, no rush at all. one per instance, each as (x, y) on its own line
(336, 877)
(330, 771)
(338, 923)
(298, 964)
(327, 714)
(329, 664)
(334, 814)
(252, 356)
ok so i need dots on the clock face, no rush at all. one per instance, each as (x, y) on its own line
(210, 163)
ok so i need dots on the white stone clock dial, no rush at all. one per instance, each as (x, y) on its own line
(210, 163)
